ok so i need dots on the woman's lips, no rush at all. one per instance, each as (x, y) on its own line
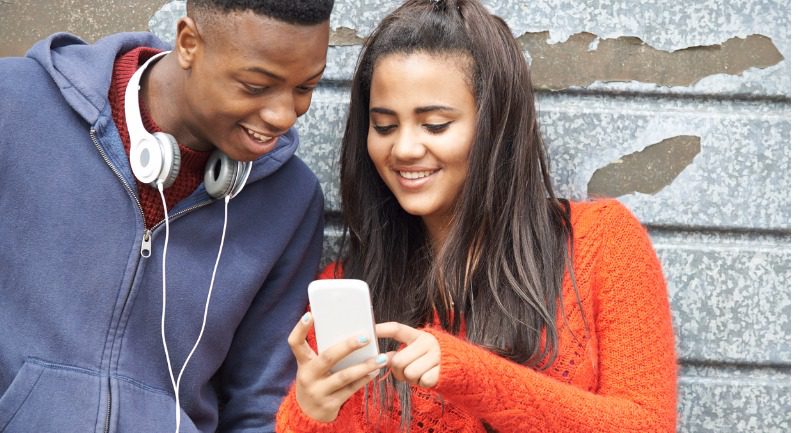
(414, 179)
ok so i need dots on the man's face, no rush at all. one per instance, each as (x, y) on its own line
(250, 78)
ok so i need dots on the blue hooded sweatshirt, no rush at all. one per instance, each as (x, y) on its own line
(80, 307)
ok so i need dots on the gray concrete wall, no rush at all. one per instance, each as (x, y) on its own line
(680, 109)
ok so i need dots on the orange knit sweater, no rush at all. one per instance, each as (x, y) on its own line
(618, 376)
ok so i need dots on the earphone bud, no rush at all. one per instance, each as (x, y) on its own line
(156, 158)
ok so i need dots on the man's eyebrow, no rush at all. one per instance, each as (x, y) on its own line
(260, 70)
(274, 76)
(318, 73)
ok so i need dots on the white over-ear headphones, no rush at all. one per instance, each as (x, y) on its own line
(156, 158)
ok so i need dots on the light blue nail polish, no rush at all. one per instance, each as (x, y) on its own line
(381, 359)
(362, 339)
(306, 317)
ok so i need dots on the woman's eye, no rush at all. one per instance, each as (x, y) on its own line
(383, 129)
(436, 127)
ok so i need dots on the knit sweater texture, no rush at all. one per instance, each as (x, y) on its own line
(615, 372)
(192, 161)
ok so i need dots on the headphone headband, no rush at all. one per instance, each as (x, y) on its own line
(132, 115)
(154, 157)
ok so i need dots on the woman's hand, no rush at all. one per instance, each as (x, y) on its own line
(320, 393)
(418, 362)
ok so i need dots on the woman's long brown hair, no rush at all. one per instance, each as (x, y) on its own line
(500, 269)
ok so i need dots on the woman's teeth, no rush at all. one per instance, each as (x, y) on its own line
(415, 174)
(259, 137)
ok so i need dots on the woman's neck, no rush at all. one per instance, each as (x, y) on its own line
(438, 228)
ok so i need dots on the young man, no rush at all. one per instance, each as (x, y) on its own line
(82, 287)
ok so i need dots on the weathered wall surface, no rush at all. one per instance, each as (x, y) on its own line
(23, 22)
(680, 109)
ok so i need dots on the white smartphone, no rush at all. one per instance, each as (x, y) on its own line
(342, 309)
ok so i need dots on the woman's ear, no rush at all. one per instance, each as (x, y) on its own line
(187, 42)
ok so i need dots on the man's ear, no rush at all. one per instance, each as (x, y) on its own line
(187, 42)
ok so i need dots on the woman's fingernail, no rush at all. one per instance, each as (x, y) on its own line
(381, 359)
(306, 317)
(362, 339)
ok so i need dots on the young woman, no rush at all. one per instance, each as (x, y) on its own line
(500, 307)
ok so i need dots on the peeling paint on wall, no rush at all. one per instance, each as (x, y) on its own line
(584, 59)
(647, 171)
(343, 36)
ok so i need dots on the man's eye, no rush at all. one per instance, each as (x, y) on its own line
(437, 127)
(255, 90)
(306, 89)
(383, 129)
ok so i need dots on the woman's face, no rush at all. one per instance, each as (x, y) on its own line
(422, 125)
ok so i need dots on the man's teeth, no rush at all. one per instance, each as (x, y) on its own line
(415, 174)
(259, 137)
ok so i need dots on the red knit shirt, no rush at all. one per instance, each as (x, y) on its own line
(192, 162)
(618, 376)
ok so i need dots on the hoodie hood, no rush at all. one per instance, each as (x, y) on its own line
(83, 72)
(81, 348)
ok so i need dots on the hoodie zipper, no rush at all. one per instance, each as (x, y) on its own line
(147, 236)
(146, 239)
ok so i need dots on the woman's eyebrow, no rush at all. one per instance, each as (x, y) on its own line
(381, 110)
(418, 110)
(429, 108)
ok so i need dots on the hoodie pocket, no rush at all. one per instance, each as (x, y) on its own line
(46, 398)
(145, 409)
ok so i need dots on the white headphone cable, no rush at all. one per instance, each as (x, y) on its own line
(160, 186)
(208, 297)
(176, 385)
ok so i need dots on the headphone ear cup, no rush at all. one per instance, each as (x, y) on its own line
(220, 174)
(146, 157)
(241, 177)
(171, 154)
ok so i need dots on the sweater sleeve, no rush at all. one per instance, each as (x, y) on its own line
(292, 419)
(636, 358)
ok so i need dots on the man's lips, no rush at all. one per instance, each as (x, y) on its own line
(259, 136)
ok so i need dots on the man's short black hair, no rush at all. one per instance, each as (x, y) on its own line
(305, 12)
